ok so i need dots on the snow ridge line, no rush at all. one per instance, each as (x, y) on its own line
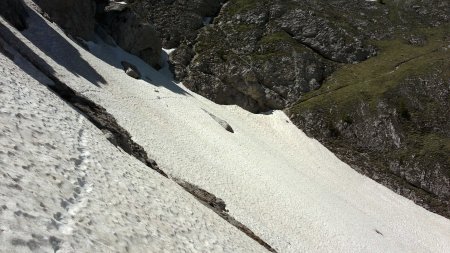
(118, 136)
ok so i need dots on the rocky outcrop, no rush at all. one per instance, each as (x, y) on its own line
(14, 12)
(79, 18)
(324, 37)
(76, 17)
(388, 118)
(130, 32)
(265, 55)
(137, 38)
(401, 144)
(177, 20)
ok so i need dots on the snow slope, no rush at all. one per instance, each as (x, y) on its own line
(286, 187)
(65, 188)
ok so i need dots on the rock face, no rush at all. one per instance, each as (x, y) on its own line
(264, 55)
(388, 118)
(76, 17)
(131, 33)
(79, 17)
(177, 20)
(403, 144)
(14, 12)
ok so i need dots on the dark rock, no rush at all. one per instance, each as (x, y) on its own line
(219, 207)
(221, 122)
(180, 59)
(131, 70)
(14, 12)
(324, 36)
(215, 203)
(76, 17)
(251, 61)
(177, 20)
(265, 55)
(133, 35)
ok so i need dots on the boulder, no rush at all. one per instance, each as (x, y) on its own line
(76, 17)
(131, 70)
(221, 122)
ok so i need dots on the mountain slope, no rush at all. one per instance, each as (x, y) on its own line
(319, 61)
(391, 111)
(287, 188)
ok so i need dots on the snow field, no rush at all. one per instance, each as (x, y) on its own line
(286, 187)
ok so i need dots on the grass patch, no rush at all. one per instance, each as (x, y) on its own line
(276, 37)
(368, 80)
(277, 45)
(432, 146)
(238, 6)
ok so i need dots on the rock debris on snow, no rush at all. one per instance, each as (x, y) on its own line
(131, 70)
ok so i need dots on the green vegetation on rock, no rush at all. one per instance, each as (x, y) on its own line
(393, 110)
(238, 6)
(396, 61)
